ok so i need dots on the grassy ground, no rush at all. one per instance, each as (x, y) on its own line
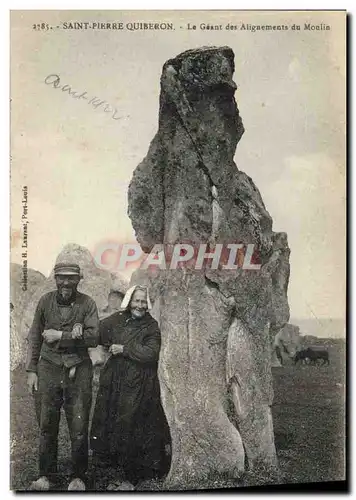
(308, 413)
(309, 423)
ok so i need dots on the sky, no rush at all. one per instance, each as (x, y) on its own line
(77, 161)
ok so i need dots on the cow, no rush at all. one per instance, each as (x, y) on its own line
(312, 354)
(301, 356)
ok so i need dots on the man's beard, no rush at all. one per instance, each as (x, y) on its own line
(66, 294)
(138, 313)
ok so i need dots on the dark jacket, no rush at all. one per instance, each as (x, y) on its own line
(67, 351)
(128, 422)
(141, 337)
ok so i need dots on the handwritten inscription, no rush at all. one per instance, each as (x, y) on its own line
(94, 102)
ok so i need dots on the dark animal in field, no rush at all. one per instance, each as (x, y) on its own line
(313, 356)
(301, 356)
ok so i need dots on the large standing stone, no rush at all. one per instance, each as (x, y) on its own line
(217, 325)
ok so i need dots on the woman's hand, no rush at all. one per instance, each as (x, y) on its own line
(32, 382)
(115, 349)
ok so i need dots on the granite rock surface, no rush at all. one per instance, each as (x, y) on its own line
(217, 325)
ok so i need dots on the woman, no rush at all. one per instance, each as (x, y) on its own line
(129, 429)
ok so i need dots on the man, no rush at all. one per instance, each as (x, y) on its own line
(129, 429)
(59, 370)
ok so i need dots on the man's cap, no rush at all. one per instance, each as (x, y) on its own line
(67, 269)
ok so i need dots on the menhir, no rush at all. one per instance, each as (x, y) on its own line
(216, 324)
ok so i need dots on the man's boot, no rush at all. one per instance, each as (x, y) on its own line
(76, 484)
(41, 484)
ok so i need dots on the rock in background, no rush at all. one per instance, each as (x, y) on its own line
(119, 287)
(217, 325)
(288, 340)
(19, 298)
(16, 347)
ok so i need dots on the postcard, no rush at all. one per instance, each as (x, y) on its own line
(178, 250)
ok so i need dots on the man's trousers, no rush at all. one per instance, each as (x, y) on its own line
(56, 389)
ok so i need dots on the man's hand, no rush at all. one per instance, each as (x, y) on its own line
(51, 335)
(116, 349)
(77, 332)
(32, 382)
